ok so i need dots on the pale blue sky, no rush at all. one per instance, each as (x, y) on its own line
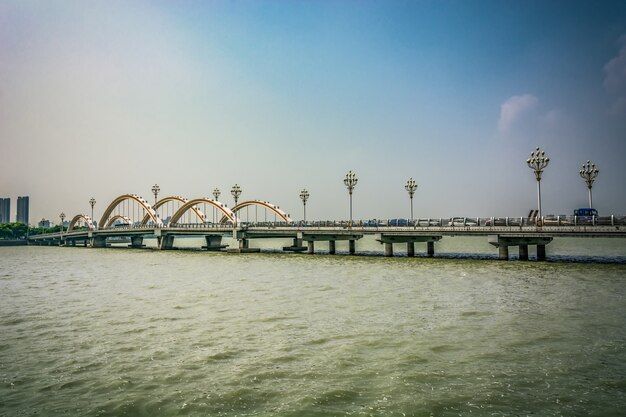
(104, 98)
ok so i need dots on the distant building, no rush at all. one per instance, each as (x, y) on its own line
(22, 209)
(43, 223)
(5, 210)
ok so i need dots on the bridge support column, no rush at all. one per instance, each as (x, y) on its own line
(410, 249)
(388, 249)
(214, 242)
(541, 252)
(99, 242)
(352, 246)
(136, 242)
(523, 252)
(430, 248)
(311, 247)
(503, 253)
(166, 242)
(72, 243)
(331, 247)
(296, 246)
(243, 244)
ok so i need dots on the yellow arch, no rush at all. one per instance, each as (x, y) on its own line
(264, 204)
(228, 213)
(134, 197)
(118, 217)
(162, 201)
(77, 218)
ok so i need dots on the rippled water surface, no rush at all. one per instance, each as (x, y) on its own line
(112, 332)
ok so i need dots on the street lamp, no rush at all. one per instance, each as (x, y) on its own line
(62, 216)
(92, 202)
(236, 192)
(411, 186)
(304, 195)
(589, 174)
(216, 193)
(538, 162)
(155, 191)
(350, 182)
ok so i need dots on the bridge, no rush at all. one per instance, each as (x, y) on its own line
(133, 218)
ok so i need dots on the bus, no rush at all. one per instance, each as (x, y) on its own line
(586, 212)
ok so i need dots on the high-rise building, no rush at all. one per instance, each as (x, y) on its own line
(22, 210)
(5, 210)
(44, 223)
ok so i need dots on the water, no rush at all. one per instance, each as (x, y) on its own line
(113, 332)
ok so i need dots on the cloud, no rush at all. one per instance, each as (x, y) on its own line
(513, 109)
(615, 77)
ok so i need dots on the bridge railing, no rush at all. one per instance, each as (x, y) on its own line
(465, 222)
(419, 223)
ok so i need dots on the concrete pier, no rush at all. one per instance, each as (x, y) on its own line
(214, 243)
(523, 252)
(388, 249)
(136, 242)
(166, 242)
(331, 247)
(430, 249)
(297, 246)
(99, 242)
(410, 249)
(352, 246)
(541, 252)
(503, 253)
(504, 241)
(310, 247)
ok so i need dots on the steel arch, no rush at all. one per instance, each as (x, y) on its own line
(112, 220)
(77, 218)
(264, 204)
(134, 197)
(228, 213)
(183, 200)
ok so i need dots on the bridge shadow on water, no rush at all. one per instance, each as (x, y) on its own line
(551, 258)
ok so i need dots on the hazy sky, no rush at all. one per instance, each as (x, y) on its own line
(102, 98)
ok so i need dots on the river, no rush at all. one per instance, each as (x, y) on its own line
(114, 332)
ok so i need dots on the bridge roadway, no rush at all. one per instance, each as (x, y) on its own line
(501, 237)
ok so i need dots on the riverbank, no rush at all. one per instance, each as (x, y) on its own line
(18, 242)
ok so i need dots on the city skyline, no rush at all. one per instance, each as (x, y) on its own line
(110, 98)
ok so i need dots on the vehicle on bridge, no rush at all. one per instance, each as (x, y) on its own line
(585, 215)
(461, 222)
(504, 221)
(557, 220)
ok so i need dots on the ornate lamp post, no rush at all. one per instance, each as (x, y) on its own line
(304, 195)
(216, 193)
(411, 186)
(350, 182)
(155, 191)
(538, 162)
(589, 174)
(92, 202)
(62, 216)
(236, 192)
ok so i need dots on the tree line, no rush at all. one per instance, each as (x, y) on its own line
(21, 230)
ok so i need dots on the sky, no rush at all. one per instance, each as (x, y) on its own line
(104, 98)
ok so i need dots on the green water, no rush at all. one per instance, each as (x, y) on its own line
(113, 332)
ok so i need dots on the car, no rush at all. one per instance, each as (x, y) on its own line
(461, 222)
(429, 222)
(504, 221)
(556, 220)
